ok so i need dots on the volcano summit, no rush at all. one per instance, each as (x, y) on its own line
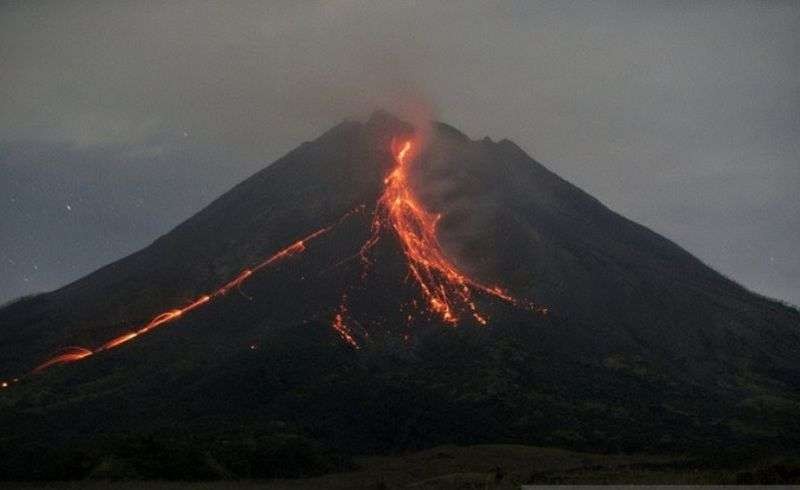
(376, 289)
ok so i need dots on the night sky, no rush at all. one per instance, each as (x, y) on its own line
(118, 120)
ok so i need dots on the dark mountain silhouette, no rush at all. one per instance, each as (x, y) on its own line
(642, 347)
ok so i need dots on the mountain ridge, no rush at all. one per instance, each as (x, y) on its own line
(643, 345)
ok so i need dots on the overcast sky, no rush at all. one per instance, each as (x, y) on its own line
(120, 119)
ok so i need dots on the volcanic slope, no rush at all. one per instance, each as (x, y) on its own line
(496, 303)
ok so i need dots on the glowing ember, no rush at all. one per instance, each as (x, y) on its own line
(341, 328)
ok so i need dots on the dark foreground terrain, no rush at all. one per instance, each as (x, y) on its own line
(498, 466)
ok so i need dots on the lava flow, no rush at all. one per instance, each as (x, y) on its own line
(448, 292)
(73, 354)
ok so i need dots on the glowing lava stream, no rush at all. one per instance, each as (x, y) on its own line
(72, 354)
(447, 290)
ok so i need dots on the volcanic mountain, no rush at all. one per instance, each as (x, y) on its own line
(383, 287)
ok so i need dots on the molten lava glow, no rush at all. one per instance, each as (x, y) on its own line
(70, 354)
(342, 329)
(448, 292)
(73, 354)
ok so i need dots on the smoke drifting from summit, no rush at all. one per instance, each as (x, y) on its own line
(244, 77)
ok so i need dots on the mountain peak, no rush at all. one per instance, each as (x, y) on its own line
(381, 115)
(360, 260)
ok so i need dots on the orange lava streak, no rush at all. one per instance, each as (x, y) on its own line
(341, 328)
(73, 354)
(236, 282)
(154, 323)
(447, 290)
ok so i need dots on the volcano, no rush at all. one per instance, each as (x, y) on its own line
(384, 287)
